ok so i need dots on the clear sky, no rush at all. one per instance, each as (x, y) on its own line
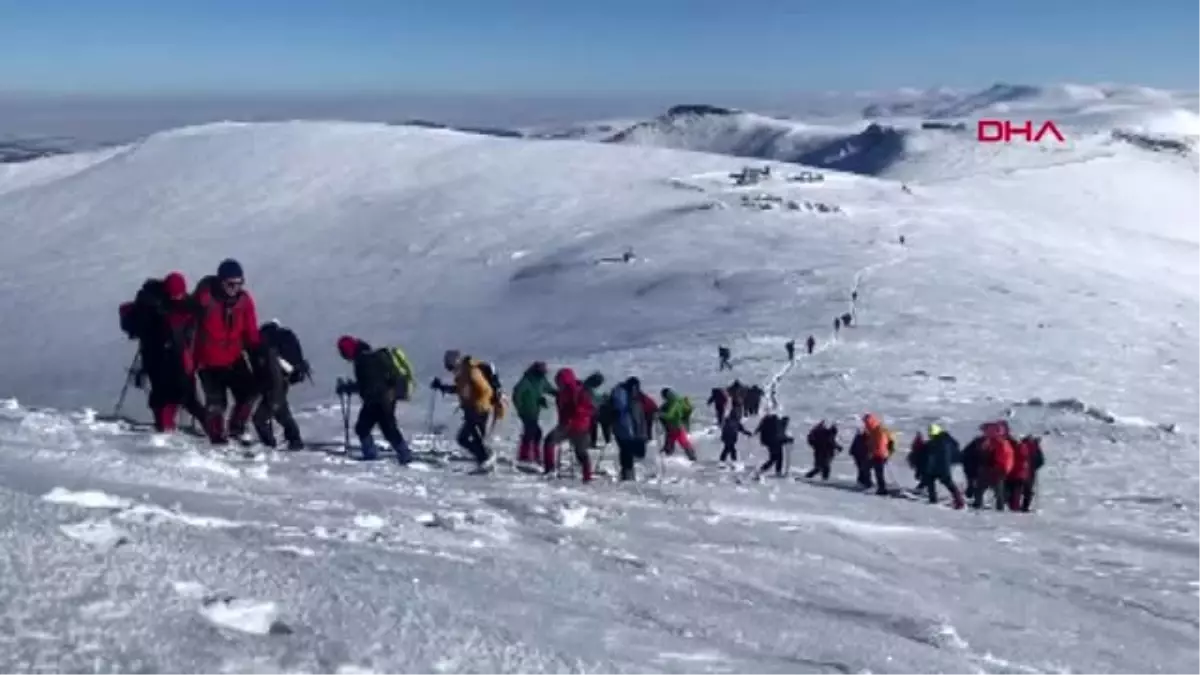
(573, 47)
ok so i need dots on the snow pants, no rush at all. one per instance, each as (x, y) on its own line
(863, 465)
(729, 451)
(879, 470)
(931, 481)
(774, 459)
(580, 442)
(217, 384)
(171, 387)
(381, 412)
(986, 483)
(629, 451)
(1020, 493)
(678, 436)
(274, 407)
(531, 440)
(822, 463)
(472, 434)
(600, 428)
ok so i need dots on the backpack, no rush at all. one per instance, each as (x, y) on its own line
(132, 313)
(404, 370)
(288, 347)
(493, 378)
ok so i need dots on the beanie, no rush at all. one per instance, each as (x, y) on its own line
(347, 346)
(229, 269)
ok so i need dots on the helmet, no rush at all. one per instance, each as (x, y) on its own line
(934, 430)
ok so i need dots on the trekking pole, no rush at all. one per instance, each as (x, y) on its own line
(129, 375)
(429, 416)
(344, 399)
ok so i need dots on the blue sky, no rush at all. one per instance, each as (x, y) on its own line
(573, 47)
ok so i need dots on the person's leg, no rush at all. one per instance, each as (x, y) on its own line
(264, 415)
(625, 456)
(213, 381)
(291, 430)
(245, 392)
(878, 468)
(580, 444)
(368, 417)
(391, 432)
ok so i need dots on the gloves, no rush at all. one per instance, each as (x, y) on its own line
(437, 385)
(345, 387)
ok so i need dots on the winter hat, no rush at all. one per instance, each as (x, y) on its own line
(229, 269)
(175, 285)
(565, 377)
(934, 430)
(347, 346)
(450, 358)
(633, 383)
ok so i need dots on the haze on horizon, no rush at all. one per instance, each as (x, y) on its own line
(113, 71)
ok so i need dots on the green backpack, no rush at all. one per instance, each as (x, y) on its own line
(404, 369)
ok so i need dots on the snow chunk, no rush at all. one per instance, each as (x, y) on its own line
(105, 610)
(205, 463)
(189, 589)
(155, 515)
(244, 615)
(298, 551)
(369, 521)
(88, 499)
(99, 533)
(572, 516)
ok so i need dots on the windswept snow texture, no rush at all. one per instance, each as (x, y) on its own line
(1073, 283)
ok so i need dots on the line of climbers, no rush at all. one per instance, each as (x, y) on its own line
(212, 335)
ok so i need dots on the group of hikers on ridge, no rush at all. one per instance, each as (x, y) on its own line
(211, 337)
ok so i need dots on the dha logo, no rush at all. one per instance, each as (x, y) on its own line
(1002, 131)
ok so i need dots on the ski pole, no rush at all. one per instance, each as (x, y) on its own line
(429, 417)
(344, 399)
(125, 387)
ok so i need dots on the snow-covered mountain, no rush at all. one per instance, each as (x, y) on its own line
(894, 139)
(1061, 294)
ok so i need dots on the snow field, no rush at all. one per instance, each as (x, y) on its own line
(135, 551)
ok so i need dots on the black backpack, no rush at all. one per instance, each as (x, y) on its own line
(287, 345)
(151, 296)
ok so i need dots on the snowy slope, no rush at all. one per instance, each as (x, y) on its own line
(1075, 284)
(731, 132)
